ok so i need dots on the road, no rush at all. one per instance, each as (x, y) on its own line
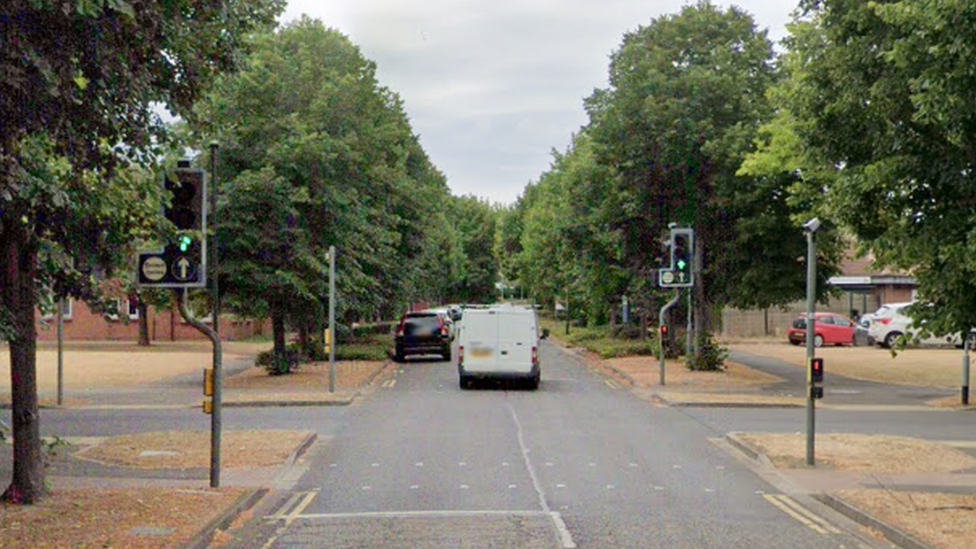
(579, 463)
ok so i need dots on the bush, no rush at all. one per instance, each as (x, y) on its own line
(364, 331)
(710, 357)
(276, 365)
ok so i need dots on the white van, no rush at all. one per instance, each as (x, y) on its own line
(500, 342)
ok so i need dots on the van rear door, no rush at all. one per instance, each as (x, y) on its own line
(516, 337)
(480, 339)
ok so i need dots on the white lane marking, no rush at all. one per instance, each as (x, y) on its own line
(333, 465)
(367, 488)
(564, 536)
(658, 488)
(610, 486)
(505, 464)
(549, 463)
(709, 491)
(562, 533)
(774, 499)
(720, 467)
(418, 514)
(377, 464)
(464, 486)
(676, 466)
(632, 464)
(512, 487)
(462, 464)
(415, 487)
(591, 464)
(418, 464)
(560, 486)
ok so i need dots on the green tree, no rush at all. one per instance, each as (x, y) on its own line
(686, 98)
(308, 105)
(884, 99)
(474, 223)
(78, 83)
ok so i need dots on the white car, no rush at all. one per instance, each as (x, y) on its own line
(501, 343)
(891, 321)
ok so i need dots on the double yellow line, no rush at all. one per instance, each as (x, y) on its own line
(807, 517)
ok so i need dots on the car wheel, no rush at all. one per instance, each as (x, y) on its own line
(533, 383)
(818, 340)
(794, 342)
(446, 353)
(465, 382)
(400, 356)
(889, 340)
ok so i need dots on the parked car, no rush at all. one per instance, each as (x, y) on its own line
(500, 342)
(422, 333)
(891, 321)
(862, 335)
(829, 329)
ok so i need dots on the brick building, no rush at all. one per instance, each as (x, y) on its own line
(864, 289)
(81, 323)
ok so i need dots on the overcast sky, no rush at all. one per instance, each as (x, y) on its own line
(492, 86)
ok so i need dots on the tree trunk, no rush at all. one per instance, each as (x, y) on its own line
(143, 323)
(278, 328)
(18, 264)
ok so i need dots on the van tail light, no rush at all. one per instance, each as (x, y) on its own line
(461, 356)
(884, 321)
(535, 356)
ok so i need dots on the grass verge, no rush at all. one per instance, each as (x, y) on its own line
(599, 339)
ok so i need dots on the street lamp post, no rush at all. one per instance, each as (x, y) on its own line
(810, 228)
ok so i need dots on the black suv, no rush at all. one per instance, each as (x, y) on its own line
(422, 334)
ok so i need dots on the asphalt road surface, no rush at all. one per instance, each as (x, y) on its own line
(581, 462)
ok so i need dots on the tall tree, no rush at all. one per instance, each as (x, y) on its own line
(307, 104)
(884, 99)
(78, 84)
(686, 98)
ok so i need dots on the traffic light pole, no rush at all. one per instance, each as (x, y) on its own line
(215, 424)
(664, 312)
(332, 330)
(213, 216)
(811, 309)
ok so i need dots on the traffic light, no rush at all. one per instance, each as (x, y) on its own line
(182, 261)
(682, 254)
(816, 370)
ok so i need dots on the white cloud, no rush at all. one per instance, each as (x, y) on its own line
(492, 87)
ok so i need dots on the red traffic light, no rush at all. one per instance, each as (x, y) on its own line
(817, 370)
(664, 329)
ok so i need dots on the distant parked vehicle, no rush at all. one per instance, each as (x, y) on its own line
(422, 333)
(828, 329)
(891, 321)
(862, 335)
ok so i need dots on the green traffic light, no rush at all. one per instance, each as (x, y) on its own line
(185, 242)
(682, 264)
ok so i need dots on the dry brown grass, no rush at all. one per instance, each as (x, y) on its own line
(109, 365)
(857, 452)
(349, 375)
(953, 401)
(924, 367)
(104, 518)
(190, 449)
(946, 521)
(645, 370)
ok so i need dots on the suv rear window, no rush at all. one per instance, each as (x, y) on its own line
(421, 325)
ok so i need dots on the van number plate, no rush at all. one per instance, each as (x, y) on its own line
(481, 351)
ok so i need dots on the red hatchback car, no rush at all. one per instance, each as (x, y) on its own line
(829, 329)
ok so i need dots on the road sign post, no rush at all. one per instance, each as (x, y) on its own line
(215, 404)
(811, 228)
(663, 324)
(332, 330)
